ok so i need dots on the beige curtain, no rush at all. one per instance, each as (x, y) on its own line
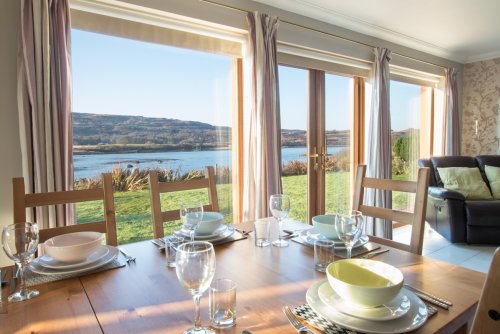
(262, 172)
(451, 123)
(44, 101)
(378, 145)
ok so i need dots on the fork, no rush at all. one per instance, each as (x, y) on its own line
(301, 328)
(128, 258)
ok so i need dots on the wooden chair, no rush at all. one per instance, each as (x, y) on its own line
(416, 218)
(156, 188)
(22, 201)
(487, 318)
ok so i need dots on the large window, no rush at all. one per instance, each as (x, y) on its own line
(141, 106)
(338, 123)
(293, 96)
(409, 135)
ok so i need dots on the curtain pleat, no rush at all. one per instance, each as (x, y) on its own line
(452, 123)
(378, 153)
(44, 99)
(262, 174)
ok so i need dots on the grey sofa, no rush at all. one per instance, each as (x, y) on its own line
(454, 217)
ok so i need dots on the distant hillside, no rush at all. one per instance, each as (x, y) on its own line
(93, 129)
(94, 133)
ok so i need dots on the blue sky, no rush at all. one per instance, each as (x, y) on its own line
(125, 77)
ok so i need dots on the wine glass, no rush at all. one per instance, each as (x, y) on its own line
(20, 242)
(349, 227)
(195, 270)
(280, 207)
(191, 216)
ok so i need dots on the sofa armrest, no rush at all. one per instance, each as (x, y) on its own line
(446, 213)
(443, 193)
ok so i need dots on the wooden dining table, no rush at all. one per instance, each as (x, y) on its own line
(146, 297)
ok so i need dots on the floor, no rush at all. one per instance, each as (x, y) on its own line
(475, 257)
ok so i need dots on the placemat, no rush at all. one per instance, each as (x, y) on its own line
(307, 314)
(32, 278)
(160, 243)
(342, 253)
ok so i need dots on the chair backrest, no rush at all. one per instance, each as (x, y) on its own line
(416, 218)
(22, 201)
(156, 188)
(487, 318)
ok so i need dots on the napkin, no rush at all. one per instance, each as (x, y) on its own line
(307, 314)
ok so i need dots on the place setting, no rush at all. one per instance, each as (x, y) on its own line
(326, 228)
(66, 255)
(359, 294)
(200, 225)
(362, 295)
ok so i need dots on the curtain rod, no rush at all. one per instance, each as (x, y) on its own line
(325, 33)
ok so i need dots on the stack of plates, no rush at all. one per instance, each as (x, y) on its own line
(311, 235)
(47, 265)
(406, 312)
(222, 232)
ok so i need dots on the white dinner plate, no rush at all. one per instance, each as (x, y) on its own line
(49, 262)
(220, 230)
(311, 235)
(228, 231)
(36, 267)
(394, 309)
(413, 319)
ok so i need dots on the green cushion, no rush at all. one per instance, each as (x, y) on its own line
(465, 180)
(493, 175)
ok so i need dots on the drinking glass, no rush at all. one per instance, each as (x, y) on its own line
(195, 270)
(349, 227)
(20, 242)
(191, 215)
(280, 207)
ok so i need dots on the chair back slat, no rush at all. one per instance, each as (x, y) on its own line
(392, 185)
(416, 218)
(63, 197)
(156, 188)
(24, 201)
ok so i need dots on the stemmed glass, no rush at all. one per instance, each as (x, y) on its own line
(20, 242)
(349, 227)
(195, 270)
(191, 215)
(280, 207)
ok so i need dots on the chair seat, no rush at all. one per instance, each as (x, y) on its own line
(483, 213)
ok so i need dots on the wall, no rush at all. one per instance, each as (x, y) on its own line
(10, 150)
(481, 103)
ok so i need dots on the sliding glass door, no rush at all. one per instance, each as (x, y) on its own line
(316, 121)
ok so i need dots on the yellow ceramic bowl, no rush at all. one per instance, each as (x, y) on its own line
(366, 283)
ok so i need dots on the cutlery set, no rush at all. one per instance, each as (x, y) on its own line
(430, 298)
(296, 323)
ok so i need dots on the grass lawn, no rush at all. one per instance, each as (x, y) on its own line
(133, 212)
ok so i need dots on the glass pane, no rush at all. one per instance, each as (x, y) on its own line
(293, 90)
(158, 107)
(338, 123)
(405, 137)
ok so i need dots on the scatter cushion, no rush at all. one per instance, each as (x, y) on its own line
(465, 180)
(493, 175)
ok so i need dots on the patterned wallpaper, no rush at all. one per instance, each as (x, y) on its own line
(481, 108)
